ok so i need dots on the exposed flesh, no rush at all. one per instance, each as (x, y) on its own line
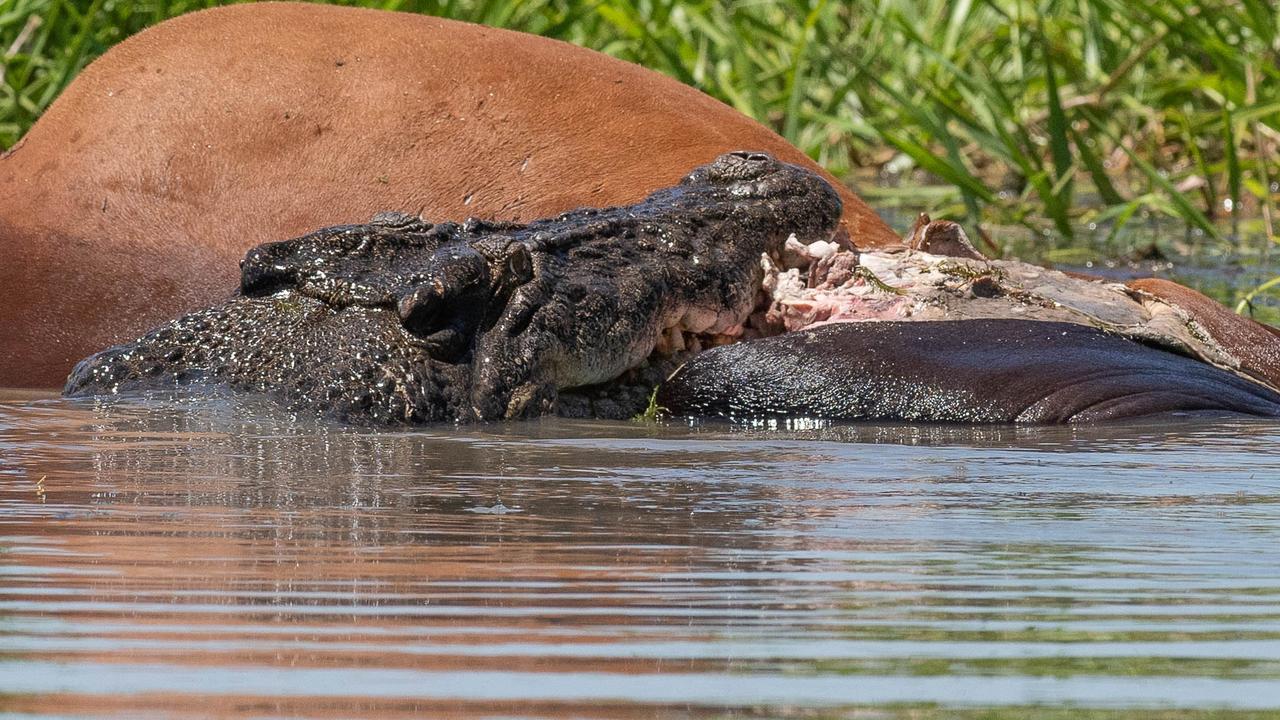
(848, 286)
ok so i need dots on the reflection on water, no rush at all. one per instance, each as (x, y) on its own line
(199, 558)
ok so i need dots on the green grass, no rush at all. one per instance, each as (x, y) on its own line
(653, 411)
(1049, 114)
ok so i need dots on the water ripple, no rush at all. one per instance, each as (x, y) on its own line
(198, 558)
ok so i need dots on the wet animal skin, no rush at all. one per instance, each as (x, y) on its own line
(970, 371)
(403, 321)
(133, 197)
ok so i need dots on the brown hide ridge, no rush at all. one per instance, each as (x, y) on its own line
(1256, 345)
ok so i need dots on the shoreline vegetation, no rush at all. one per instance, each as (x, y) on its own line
(1052, 116)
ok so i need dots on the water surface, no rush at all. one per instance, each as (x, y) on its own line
(200, 557)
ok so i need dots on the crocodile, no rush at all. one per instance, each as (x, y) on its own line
(400, 320)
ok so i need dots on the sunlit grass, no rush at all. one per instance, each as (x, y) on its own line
(1051, 114)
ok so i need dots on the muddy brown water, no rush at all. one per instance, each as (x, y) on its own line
(198, 557)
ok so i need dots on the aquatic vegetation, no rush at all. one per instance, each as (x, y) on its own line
(652, 412)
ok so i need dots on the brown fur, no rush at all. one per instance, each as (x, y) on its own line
(136, 194)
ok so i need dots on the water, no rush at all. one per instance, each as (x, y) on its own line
(200, 557)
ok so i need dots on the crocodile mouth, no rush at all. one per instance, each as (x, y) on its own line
(799, 285)
(702, 328)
